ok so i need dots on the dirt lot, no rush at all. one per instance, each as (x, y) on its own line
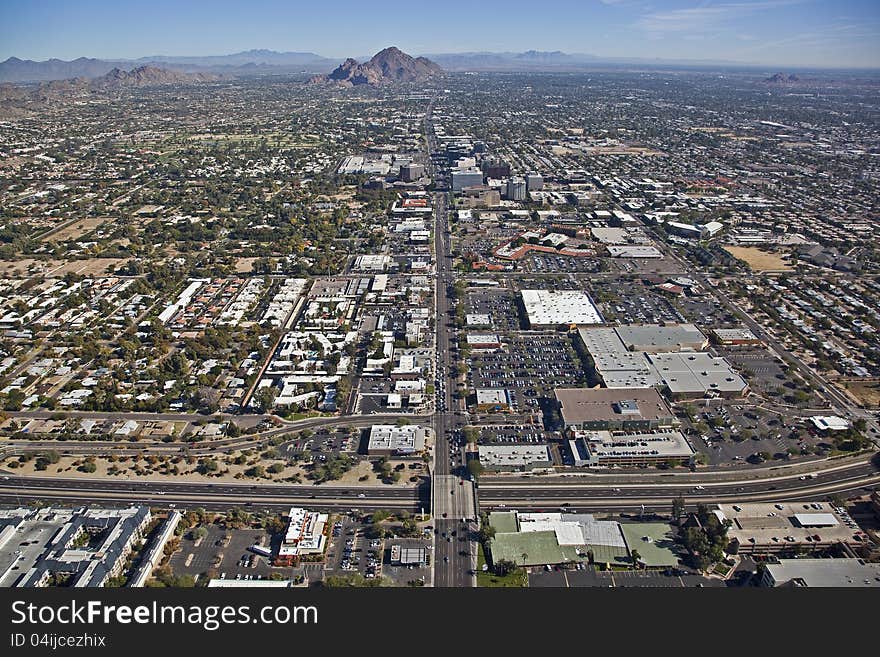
(245, 265)
(57, 268)
(758, 259)
(126, 468)
(76, 229)
(867, 393)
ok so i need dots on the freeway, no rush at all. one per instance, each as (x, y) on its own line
(19, 490)
(660, 500)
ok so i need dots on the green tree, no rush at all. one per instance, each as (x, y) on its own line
(475, 469)
(678, 506)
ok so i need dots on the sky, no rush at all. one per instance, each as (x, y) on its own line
(809, 33)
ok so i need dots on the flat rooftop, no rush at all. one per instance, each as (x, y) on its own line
(789, 523)
(616, 365)
(696, 373)
(551, 538)
(654, 541)
(551, 308)
(825, 572)
(388, 437)
(478, 319)
(637, 251)
(733, 334)
(492, 397)
(653, 444)
(513, 455)
(656, 337)
(608, 404)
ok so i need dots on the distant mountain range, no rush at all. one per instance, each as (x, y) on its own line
(251, 61)
(17, 99)
(270, 61)
(388, 66)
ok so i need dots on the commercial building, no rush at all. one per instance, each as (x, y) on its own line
(67, 547)
(633, 409)
(495, 168)
(630, 449)
(656, 338)
(732, 337)
(479, 196)
(537, 539)
(402, 555)
(614, 364)
(633, 251)
(462, 178)
(389, 439)
(516, 189)
(610, 235)
(412, 172)
(483, 341)
(819, 573)
(552, 308)
(764, 528)
(534, 182)
(829, 423)
(684, 230)
(698, 374)
(660, 355)
(493, 399)
(304, 535)
(477, 320)
(218, 583)
(514, 457)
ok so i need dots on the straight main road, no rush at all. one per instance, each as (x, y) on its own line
(455, 551)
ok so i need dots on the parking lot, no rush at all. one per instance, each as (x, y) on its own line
(548, 263)
(322, 442)
(765, 374)
(499, 304)
(530, 368)
(351, 551)
(736, 433)
(705, 311)
(402, 575)
(634, 303)
(224, 553)
(504, 434)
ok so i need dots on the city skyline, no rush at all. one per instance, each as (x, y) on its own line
(793, 33)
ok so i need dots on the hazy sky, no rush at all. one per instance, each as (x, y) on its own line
(831, 33)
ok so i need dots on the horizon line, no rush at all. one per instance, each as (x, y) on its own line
(599, 58)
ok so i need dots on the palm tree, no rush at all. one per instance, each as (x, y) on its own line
(635, 558)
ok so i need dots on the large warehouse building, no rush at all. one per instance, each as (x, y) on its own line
(657, 338)
(552, 308)
(597, 409)
(688, 375)
(615, 365)
(666, 356)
